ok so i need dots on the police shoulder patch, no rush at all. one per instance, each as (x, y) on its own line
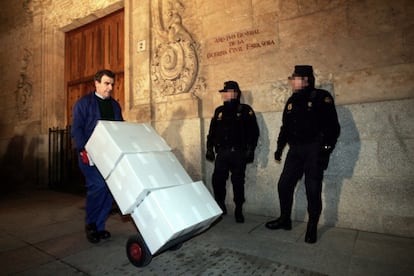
(327, 100)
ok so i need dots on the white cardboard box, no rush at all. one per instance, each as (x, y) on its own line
(111, 139)
(172, 212)
(136, 174)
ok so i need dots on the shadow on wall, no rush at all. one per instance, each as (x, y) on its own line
(263, 144)
(342, 165)
(253, 191)
(20, 165)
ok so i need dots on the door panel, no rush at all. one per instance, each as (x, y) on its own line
(114, 34)
(74, 56)
(74, 93)
(92, 39)
(119, 89)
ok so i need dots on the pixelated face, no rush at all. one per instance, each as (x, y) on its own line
(105, 86)
(228, 95)
(298, 83)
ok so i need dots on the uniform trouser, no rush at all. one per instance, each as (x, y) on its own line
(98, 197)
(229, 161)
(302, 159)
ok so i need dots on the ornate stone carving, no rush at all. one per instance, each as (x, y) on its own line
(175, 61)
(324, 81)
(24, 90)
(281, 90)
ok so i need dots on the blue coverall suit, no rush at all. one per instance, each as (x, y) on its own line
(86, 114)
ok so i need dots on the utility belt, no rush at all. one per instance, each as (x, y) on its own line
(304, 141)
(229, 148)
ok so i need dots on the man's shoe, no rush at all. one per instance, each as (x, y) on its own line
(238, 214)
(280, 223)
(104, 234)
(91, 233)
(311, 232)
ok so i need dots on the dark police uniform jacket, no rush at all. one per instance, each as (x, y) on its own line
(309, 116)
(233, 126)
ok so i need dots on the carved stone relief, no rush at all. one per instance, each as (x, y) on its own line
(281, 90)
(175, 61)
(24, 90)
(324, 81)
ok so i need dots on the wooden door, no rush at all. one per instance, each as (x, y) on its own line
(97, 45)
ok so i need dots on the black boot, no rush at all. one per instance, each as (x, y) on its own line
(280, 223)
(311, 232)
(238, 214)
(92, 233)
(104, 235)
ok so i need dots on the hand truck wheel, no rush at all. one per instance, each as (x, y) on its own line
(137, 251)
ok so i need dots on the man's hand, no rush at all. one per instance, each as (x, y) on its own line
(327, 149)
(85, 158)
(249, 155)
(278, 155)
(210, 156)
(324, 156)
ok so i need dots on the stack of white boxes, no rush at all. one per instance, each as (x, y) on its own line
(148, 182)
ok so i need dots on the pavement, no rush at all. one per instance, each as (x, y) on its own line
(41, 233)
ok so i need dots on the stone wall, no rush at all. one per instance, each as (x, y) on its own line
(179, 53)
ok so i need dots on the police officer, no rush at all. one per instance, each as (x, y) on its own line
(97, 105)
(233, 135)
(310, 126)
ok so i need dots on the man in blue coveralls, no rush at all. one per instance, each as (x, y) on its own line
(97, 105)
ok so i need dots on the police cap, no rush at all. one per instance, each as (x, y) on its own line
(303, 71)
(230, 85)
